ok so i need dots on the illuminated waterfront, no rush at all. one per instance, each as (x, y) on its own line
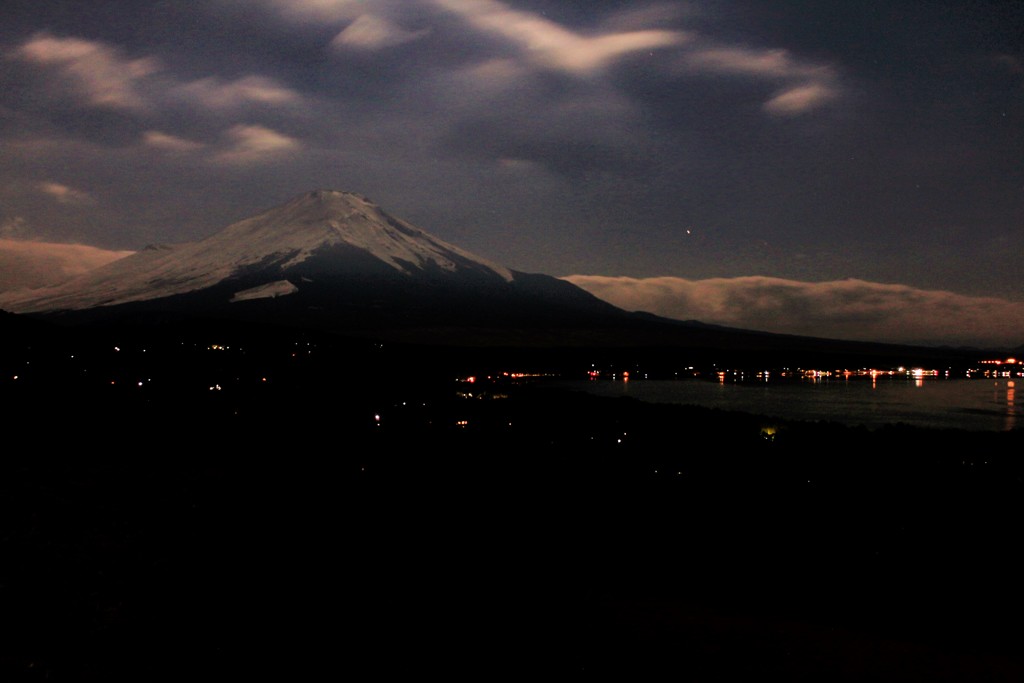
(983, 404)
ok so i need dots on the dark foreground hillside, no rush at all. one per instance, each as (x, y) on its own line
(302, 533)
(204, 504)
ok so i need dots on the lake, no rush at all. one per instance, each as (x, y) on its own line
(973, 404)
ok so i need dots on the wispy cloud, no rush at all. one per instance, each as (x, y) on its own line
(800, 85)
(28, 263)
(65, 194)
(843, 309)
(791, 85)
(101, 76)
(546, 43)
(800, 99)
(94, 70)
(247, 144)
(217, 94)
(369, 32)
(804, 86)
(750, 62)
(170, 143)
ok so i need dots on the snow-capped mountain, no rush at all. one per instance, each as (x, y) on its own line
(334, 262)
(317, 226)
(326, 257)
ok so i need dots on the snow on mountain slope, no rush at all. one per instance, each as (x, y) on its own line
(267, 291)
(330, 218)
(277, 241)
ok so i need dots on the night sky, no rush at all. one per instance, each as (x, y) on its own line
(851, 169)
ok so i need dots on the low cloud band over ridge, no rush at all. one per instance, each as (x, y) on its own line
(842, 309)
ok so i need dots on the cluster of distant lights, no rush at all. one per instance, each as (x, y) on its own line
(301, 348)
(998, 368)
(140, 383)
(596, 374)
(1010, 367)
(143, 382)
(472, 379)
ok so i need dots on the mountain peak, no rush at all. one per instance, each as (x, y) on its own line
(322, 204)
(326, 195)
(333, 232)
(322, 221)
(330, 192)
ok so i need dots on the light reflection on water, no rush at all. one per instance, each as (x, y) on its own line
(975, 404)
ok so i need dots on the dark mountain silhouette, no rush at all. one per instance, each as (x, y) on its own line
(335, 262)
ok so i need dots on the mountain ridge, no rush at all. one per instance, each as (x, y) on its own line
(334, 261)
